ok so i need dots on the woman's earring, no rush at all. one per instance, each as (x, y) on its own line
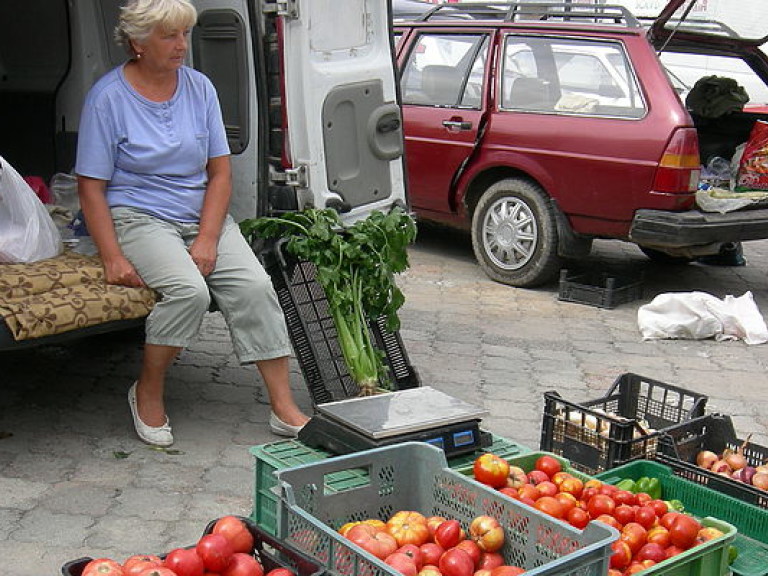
(138, 55)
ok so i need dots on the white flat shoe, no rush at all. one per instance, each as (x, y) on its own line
(155, 435)
(281, 428)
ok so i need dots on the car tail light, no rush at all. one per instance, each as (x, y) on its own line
(680, 167)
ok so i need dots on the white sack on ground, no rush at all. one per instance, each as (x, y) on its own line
(698, 315)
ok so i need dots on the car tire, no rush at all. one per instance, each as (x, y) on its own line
(514, 234)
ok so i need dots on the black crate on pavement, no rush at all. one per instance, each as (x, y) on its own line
(625, 424)
(715, 433)
(313, 334)
(601, 289)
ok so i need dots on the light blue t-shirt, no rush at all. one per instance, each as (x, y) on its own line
(153, 154)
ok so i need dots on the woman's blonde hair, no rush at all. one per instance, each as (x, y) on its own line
(139, 17)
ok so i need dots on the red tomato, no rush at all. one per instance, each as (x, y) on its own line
(547, 488)
(490, 560)
(374, 540)
(487, 533)
(643, 498)
(659, 506)
(456, 562)
(622, 555)
(403, 563)
(184, 562)
(550, 505)
(610, 520)
(507, 570)
(281, 572)
(668, 518)
(215, 551)
(608, 490)
(472, 548)
(659, 535)
(157, 571)
(683, 531)
(634, 535)
(236, 531)
(491, 470)
(578, 518)
(103, 567)
(624, 514)
(528, 491)
(624, 497)
(243, 565)
(548, 464)
(600, 504)
(138, 562)
(448, 534)
(645, 516)
(651, 551)
(572, 486)
(568, 501)
(537, 476)
(414, 552)
(431, 552)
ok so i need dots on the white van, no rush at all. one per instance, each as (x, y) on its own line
(308, 94)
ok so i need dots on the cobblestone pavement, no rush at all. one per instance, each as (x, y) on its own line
(74, 480)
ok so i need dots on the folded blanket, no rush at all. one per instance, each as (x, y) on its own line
(65, 293)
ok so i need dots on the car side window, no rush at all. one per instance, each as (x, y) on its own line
(569, 77)
(445, 70)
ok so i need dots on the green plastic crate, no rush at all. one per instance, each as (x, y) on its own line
(750, 521)
(415, 476)
(269, 458)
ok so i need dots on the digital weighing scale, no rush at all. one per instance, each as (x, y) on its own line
(416, 414)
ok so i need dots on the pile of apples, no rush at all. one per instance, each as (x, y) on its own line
(417, 545)
(225, 551)
(649, 532)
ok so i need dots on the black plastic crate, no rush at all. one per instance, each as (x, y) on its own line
(625, 424)
(601, 289)
(271, 552)
(715, 433)
(314, 337)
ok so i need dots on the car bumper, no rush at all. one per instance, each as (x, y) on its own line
(693, 228)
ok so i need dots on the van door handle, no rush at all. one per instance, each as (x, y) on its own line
(457, 124)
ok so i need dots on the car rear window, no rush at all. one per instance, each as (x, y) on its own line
(569, 76)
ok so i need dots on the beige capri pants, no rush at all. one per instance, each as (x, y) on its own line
(240, 286)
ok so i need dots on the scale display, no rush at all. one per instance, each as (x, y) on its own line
(401, 412)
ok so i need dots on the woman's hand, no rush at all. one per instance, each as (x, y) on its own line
(120, 271)
(203, 253)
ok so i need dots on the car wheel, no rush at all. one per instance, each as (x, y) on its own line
(514, 234)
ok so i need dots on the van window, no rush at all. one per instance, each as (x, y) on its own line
(219, 48)
(445, 70)
(570, 77)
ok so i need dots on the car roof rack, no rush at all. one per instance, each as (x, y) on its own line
(516, 11)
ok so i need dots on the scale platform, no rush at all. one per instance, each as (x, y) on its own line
(418, 414)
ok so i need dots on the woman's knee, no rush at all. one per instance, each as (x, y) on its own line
(193, 296)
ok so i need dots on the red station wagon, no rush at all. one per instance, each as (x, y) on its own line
(540, 127)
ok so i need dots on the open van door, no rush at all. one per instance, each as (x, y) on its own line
(344, 129)
(318, 123)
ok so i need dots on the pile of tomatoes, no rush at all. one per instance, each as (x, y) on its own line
(225, 551)
(418, 545)
(649, 531)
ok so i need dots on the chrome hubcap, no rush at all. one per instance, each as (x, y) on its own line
(509, 233)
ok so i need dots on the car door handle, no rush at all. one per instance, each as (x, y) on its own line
(457, 124)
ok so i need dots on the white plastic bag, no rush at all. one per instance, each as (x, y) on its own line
(27, 232)
(698, 315)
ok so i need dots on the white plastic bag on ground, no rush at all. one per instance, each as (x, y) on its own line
(698, 315)
(27, 231)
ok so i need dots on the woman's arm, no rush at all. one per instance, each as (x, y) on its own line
(93, 202)
(215, 205)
